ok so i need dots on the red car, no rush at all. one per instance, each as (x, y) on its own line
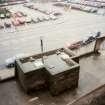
(15, 23)
(18, 14)
(21, 21)
(75, 45)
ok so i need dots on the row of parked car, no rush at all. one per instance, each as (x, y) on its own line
(87, 40)
(89, 6)
(100, 11)
(9, 14)
(85, 8)
(21, 21)
(14, 2)
(89, 3)
(46, 12)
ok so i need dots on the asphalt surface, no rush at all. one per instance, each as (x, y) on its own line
(71, 26)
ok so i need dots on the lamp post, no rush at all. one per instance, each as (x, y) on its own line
(41, 42)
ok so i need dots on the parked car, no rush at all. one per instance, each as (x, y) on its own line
(11, 61)
(57, 14)
(2, 16)
(47, 18)
(23, 14)
(18, 14)
(15, 23)
(101, 12)
(98, 34)
(52, 17)
(21, 21)
(91, 38)
(35, 20)
(75, 45)
(39, 19)
(1, 25)
(7, 15)
(28, 20)
(94, 10)
(87, 9)
(7, 23)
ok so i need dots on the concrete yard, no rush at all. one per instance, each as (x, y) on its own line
(71, 26)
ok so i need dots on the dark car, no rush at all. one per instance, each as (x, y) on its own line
(91, 38)
(98, 34)
(7, 24)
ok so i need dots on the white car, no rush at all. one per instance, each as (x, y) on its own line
(35, 20)
(47, 18)
(101, 12)
(52, 17)
(28, 20)
(11, 61)
(2, 16)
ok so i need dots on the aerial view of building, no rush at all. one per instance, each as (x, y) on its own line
(52, 52)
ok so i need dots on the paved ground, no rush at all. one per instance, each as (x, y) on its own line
(71, 26)
(91, 77)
